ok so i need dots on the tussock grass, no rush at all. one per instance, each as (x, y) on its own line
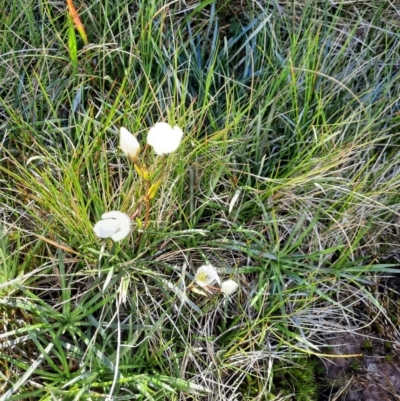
(294, 110)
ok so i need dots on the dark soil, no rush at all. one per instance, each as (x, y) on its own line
(374, 373)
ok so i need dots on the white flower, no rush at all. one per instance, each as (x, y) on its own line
(116, 225)
(206, 275)
(129, 144)
(228, 287)
(164, 139)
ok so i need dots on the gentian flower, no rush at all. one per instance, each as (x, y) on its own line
(206, 275)
(164, 139)
(115, 225)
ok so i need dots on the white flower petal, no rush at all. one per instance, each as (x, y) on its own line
(105, 228)
(164, 139)
(206, 275)
(228, 287)
(115, 214)
(115, 225)
(129, 144)
(123, 232)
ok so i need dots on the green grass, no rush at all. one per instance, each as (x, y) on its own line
(293, 109)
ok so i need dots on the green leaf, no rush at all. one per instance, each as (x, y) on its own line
(72, 46)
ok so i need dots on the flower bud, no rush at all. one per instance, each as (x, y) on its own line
(129, 144)
(228, 287)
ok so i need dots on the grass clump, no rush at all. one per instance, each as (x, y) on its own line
(286, 181)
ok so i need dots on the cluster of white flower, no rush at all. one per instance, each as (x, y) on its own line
(164, 139)
(206, 275)
(117, 225)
